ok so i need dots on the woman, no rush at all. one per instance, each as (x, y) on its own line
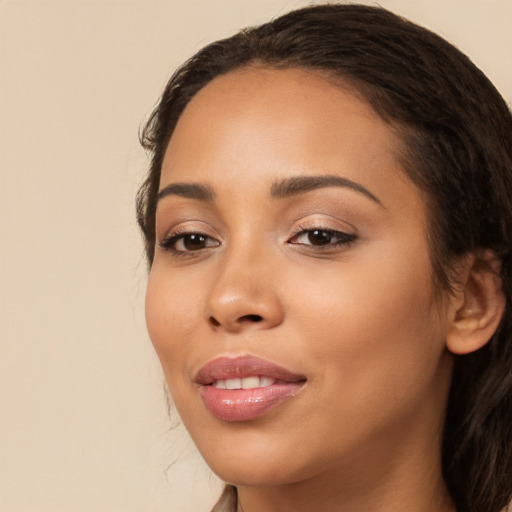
(328, 225)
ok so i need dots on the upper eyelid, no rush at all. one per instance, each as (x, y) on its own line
(322, 228)
(335, 232)
(188, 226)
(327, 224)
(170, 215)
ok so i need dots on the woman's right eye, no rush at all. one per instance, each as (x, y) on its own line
(184, 243)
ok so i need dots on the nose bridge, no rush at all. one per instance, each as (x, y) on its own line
(243, 293)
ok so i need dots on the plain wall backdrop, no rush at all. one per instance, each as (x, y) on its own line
(83, 422)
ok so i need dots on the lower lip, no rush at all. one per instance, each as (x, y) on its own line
(246, 404)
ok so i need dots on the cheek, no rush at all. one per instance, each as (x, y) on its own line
(373, 326)
(367, 293)
(172, 309)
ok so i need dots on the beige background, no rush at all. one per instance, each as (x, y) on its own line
(83, 425)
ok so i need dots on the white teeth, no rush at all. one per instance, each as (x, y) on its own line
(233, 383)
(250, 382)
(266, 381)
(245, 383)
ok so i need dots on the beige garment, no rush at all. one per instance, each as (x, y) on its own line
(227, 501)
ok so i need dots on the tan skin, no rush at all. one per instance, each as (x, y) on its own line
(352, 307)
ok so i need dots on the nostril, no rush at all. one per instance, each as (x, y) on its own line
(252, 318)
(214, 322)
(245, 318)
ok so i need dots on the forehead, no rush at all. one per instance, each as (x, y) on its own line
(257, 122)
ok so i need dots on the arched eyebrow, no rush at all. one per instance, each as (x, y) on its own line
(198, 191)
(280, 189)
(301, 184)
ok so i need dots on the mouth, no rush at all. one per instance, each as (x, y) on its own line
(246, 387)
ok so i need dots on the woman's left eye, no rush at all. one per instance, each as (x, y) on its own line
(322, 238)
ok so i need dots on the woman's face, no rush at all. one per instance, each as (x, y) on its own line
(292, 261)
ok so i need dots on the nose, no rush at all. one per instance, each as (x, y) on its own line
(244, 295)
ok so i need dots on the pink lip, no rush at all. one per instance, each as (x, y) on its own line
(245, 404)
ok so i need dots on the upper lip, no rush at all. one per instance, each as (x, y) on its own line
(222, 368)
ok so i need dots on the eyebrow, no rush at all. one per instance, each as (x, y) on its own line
(189, 190)
(301, 184)
(280, 189)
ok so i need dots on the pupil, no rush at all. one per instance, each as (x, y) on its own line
(318, 237)
(194, 242)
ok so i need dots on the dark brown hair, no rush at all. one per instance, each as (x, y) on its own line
(457, 135)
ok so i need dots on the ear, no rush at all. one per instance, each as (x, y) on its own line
(479, 305)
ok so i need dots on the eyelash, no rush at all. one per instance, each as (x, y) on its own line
(169, 242)
(344, 239)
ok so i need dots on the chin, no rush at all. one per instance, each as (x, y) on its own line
(253, 462)
(255, 474)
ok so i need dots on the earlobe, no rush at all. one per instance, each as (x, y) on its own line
(480, 306)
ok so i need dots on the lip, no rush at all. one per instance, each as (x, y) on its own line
(245, 404)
